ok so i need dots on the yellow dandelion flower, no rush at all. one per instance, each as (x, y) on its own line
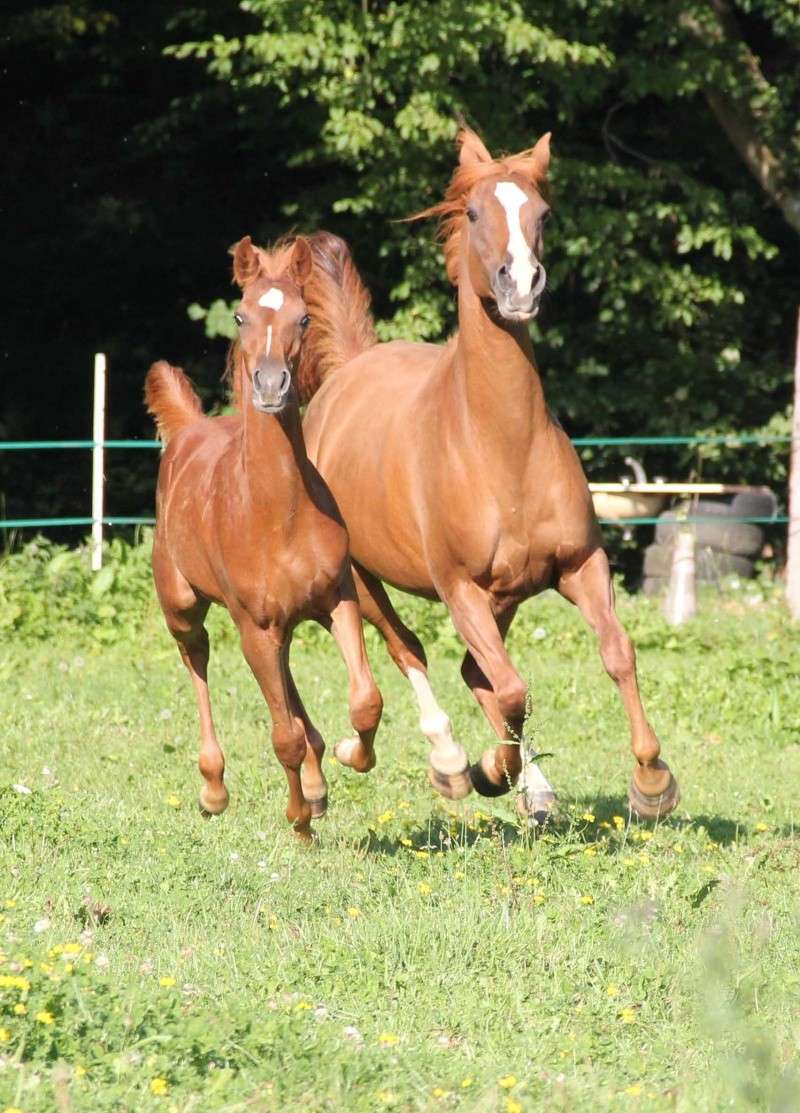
(71, 948)
(628, 1015)
(633, 1090)
(303, 1006)
(761, 827)
(466, 1083)
(458, 875)
(386, 817)
(14, 981)
(45, 1017)
(590, 851)
(386, 1096)
(629, 861)
(424, 888)
(513, 1106)
(612, 990)
(618, 822)
(5, 1035)
(406, 842)
(20, 1009)
(588, 816)
(173, 801)
(538, 898)
(159, 1086)
(12, 1109)
(645, 836)
(678, 848)
(604, 824)
(388, 1039)
(421, 854)
(438, 1092)
(78, 1070)
(46, 967)
(507, 1082)
(273, 924)
(404, 805)
(10, 903)
(353, 913)
(167, 982)
(69, 967)
(587, 899)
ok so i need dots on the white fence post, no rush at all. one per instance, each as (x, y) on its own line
(793, 555)
(98, 436)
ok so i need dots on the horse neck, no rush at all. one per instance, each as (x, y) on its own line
(497, 374)
(274, 461)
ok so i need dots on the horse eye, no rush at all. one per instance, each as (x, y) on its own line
(305, 321)
(472, 215)
(238, 319)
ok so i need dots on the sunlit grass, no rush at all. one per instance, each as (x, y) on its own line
(423, 955)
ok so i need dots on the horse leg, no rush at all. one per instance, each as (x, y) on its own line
(366, 705)
(265, 655)
(539, 798)
(185, 615)
(653, 790)
(471, 611)
(315, 787)
(448, 770)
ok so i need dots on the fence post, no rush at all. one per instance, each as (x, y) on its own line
(98, 436)
(793, 554)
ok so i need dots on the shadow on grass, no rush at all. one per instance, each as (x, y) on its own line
(566, 829)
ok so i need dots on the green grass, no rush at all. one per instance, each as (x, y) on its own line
(422, 956)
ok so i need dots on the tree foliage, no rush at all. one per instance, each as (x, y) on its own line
(140, 145)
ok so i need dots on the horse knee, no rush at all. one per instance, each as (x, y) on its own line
(512, 698)
(289, 744)
(366, 707)
(619, 656)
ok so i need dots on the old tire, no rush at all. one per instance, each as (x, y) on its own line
(710, 564)
(717, 531)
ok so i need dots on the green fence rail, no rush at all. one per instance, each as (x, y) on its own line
(729, 440)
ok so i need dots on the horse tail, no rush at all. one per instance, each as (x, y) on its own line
(171, 399)
(339, 305)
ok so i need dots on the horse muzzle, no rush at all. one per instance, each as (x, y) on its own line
(271, 386)
(513, 307)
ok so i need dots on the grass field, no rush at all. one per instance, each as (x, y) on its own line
(422, 956)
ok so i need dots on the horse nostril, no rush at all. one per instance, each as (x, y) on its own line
(286, 381)
(503, 271)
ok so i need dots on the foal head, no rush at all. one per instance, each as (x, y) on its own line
(271, 318)
(492, 218)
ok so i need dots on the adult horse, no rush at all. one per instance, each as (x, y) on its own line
(454, 479)
(245, 520)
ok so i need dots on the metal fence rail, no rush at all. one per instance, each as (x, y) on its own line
(730, 440)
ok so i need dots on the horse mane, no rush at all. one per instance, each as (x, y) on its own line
(338, 303)
(475, 165)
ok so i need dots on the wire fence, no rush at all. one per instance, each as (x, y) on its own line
(730, 440)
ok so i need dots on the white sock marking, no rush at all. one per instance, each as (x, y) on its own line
(433, 722)
(512, 198)
(273, 299)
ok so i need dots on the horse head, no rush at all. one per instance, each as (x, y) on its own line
(271, 318)
(492, 221)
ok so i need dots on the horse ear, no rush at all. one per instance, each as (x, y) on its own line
(302, 261)
(540, 156)
(471, 148)
(246, 262)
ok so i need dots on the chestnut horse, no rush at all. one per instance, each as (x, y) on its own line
(245, 520)
(454, 479)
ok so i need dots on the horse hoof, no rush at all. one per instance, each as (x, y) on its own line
(657, 805)
(303, 834)
(536, 806)
(212, 803)
(350, 752)
(318, 806)
(448, 772)
(482, 780)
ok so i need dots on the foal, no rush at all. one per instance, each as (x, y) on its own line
(455, 480)
(244, 520)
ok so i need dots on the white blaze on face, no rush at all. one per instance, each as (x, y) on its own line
(272, 299)
(512, 198)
